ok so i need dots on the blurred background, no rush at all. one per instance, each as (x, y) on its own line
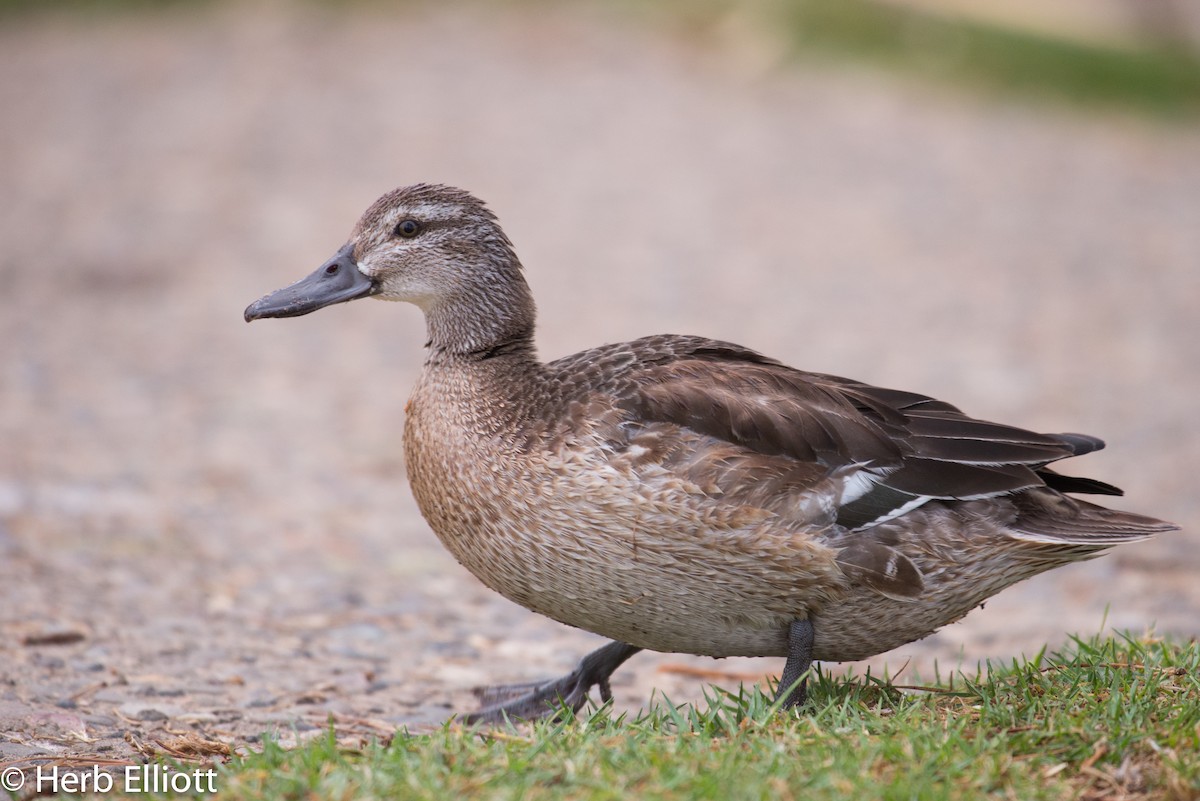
(206, 525)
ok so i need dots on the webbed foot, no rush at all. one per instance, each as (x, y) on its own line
(534, 700)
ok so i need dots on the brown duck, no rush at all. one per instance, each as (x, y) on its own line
(687, 495)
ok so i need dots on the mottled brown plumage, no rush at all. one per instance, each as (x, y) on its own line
(681, 494)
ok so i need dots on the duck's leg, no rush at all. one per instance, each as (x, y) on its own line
(792, 690)
(542, 699)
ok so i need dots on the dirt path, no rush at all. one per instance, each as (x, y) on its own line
(204, 526)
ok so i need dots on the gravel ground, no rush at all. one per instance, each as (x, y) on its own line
(205, 529)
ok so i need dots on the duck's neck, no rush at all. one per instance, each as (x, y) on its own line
(483, 321)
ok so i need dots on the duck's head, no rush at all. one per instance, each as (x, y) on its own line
(437, 247)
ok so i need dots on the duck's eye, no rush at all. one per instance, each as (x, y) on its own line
(408, 228)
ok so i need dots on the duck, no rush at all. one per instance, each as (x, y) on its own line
(687, 495)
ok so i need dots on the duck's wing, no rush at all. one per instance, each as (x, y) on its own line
(824, 451)
(889, 450)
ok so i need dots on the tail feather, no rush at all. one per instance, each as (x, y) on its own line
(1050, 518)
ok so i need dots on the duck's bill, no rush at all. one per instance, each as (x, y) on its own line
(336, 281)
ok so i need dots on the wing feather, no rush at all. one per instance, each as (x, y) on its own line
(915, 447)
(867, 453)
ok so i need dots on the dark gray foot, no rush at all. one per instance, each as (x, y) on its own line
(542, 699)
(792, 688)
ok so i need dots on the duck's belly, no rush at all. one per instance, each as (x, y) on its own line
(695, 587)
(650, 564)
(657, 564)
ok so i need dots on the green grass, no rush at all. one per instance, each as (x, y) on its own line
(1104, 719)
(1155, 78)
(1160, 79)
